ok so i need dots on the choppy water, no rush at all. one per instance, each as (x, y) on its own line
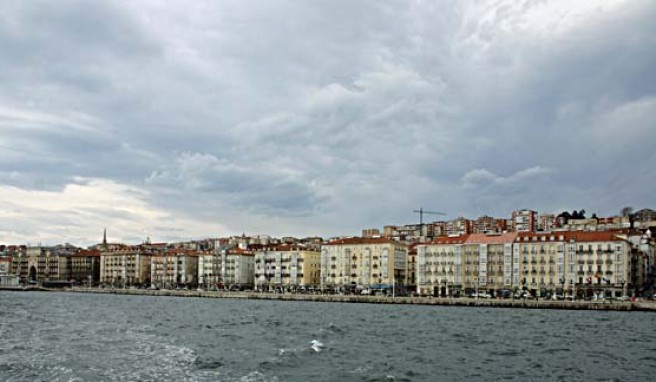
(83, 337)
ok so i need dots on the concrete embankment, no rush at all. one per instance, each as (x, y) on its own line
(491, 303)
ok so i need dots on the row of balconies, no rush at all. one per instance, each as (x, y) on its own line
(439, 263)
(591, 273)
(598, 262)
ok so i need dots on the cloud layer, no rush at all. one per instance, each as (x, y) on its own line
(280, 117)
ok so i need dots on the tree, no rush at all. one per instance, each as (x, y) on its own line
(626, 212)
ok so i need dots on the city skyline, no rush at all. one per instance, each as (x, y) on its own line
(176, 121)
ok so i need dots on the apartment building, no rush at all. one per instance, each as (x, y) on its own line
(85, 267)
(288, 267)
(238, 267)
(539, 258)
(175, 267)
(45, 264)
(599, 263)
(524, 220)
(357, 262)
(7, 277)
(459, 226)
(488, 224)
(439, 267)
(488, 262)
(125, 267)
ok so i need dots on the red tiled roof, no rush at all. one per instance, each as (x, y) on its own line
(589, 236)
(481, 238)
(87, 253)
(462, 239)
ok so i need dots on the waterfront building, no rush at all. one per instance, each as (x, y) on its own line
(210, 264)
(489, 259)
(411, 269)
(356, 262)
(125, 266)
(539, 259)
(85, 267)
(175, 267)
(524, 220)
(45, 264)
(287, 266)
(18, 266)
(7, 277)
(238, 267)
(439, 267)
(599, 263)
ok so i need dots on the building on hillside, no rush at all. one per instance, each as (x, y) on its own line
(358, 263)
(370, 232)
(125, 267)
(459, 226)
(613, 223)
(524, 220)
(412, 233)
(175, 268)
(644, 218)
(287, 267)
(547, 222)
(590, 224)
(486, 224)
(438, 269)
(244, 241)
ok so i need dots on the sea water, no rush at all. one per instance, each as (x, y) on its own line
(88, 337)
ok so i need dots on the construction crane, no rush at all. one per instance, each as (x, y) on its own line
(421, 213)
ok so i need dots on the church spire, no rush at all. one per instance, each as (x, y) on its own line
(105, 237)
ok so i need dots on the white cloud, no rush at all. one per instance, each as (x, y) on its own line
(82, 209)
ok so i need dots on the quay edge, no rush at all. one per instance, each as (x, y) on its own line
(648, 306)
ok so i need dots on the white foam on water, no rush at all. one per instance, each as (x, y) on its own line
(317, 346)
(256, 376)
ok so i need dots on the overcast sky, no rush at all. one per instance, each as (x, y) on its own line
(176, 120)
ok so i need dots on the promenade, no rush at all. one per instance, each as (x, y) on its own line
(336, 298)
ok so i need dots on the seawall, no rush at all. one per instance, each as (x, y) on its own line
(471, 302)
